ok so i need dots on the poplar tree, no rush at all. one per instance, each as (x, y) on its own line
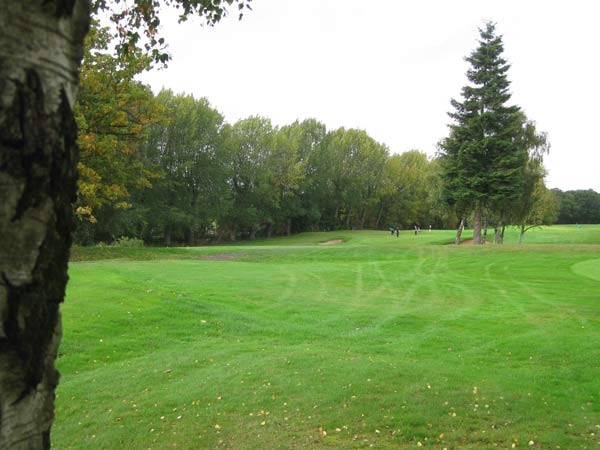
(483, 157)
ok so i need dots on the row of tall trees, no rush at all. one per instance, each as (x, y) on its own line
(193, 176)
(169, 169)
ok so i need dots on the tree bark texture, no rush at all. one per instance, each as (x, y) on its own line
(40, 51)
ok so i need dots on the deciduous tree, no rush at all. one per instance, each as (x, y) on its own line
(112, 112)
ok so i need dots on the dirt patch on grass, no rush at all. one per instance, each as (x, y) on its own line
(221, 257)
(332, 242)
(470, 242)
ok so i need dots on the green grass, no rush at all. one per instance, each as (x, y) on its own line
(380, 342)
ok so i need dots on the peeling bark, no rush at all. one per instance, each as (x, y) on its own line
(40, 51)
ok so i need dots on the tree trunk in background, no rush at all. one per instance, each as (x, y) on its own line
(485, 228)
(335, 217)
(348, 218)
(378, 221)
(521, 234)
(167, 236)
(499, 234)
(40, 51)
(477, 226)
(461, 227)
(288, 227)
(269, 230)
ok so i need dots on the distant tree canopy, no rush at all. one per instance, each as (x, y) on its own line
(580, 206)
(213, 180)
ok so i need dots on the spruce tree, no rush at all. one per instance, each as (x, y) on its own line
(483, 156)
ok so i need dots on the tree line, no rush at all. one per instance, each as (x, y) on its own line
(168, 169)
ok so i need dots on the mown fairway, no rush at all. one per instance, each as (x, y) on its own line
(379, 342)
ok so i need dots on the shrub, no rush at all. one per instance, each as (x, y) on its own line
(125, 241)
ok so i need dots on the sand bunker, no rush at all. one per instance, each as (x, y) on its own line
(332, 242)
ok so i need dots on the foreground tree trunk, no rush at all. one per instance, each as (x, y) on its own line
(40, 51)
(461, 227)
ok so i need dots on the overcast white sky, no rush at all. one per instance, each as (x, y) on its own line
(390, 67)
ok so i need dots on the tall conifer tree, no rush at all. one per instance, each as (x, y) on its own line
(483, 157)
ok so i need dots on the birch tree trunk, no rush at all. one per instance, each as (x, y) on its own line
(459, 231)
(40, 51)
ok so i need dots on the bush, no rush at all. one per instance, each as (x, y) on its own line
(125, 241)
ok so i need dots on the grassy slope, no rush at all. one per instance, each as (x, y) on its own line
(391, 341)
